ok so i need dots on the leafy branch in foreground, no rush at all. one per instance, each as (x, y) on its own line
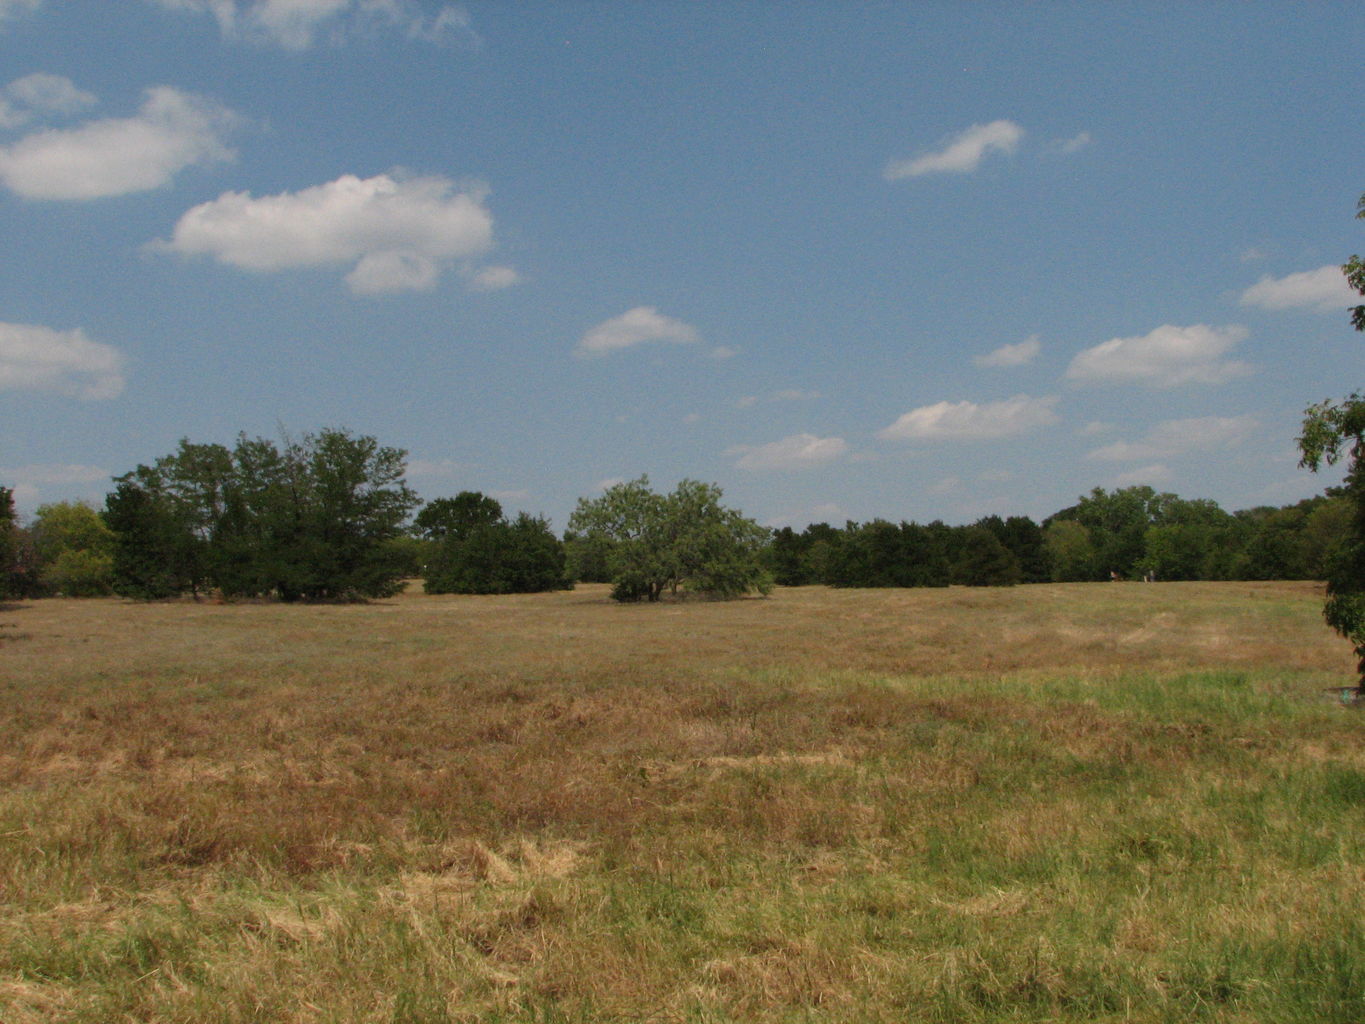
(1332, 432)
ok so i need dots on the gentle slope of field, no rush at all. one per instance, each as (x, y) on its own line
(1054, 803)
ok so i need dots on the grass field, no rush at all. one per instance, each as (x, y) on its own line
(1100, 802)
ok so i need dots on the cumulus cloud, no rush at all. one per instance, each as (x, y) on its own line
(39, 95)
(963, 153)
(35, 358)
(1173, 438)
(1011, 355)
(1167, 357)
(967, 421)
(1324, 290)
(796, 452)
(298, 24)
(173, 130)
(635, 327)
(399, 233)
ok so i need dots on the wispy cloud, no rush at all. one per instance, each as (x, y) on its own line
(299, 24)
(40, 95)
(1174, 438)
(8, 8)
(1324, 290)
(36, 358)
(962, 153)
(967, 421)
(1167, 357)
(173, 130)
(1154, 476)
(635, 327)
(399, 233)
(799, 451)
(1011, 355)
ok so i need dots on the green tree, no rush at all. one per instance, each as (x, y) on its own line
(153, 549)
(313, 521)
(522, 556)
(685, 540)
(984, 561)
(74, 548)
(446, 517)
(1070, 554)
(1332, 432)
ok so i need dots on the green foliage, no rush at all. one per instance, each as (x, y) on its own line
(457, 516)
(1070, 554)
(73, 550)
(155, 556)
(588, 557)
(498, 557)
(313, 521)
(686, 540)
(1333, 431)
(984, 561)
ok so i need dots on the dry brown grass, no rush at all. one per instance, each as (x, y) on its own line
(1088, 802)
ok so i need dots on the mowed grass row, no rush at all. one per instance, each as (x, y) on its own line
(1098, 802)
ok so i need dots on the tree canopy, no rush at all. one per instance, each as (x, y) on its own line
(476, 550)
(311, 521)
(686, 540)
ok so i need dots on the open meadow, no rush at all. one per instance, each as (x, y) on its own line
(1082, 802)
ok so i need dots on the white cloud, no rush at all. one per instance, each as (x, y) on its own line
(947, 485)
(1154, 475)
(724, 352)
(491, 279)
(30, 482)
(963, 153)
(1074, 144)
(1324, 290)
(401, 233)
(1011, 355)
(1173, 438)
(53, 473)
(1167, 357)
(8, 8)
(796, 452)
(967, 421)
(34, 358)
(172, 131)
(1094, 428)
(635, 327)
(298, 24)
(39, 94)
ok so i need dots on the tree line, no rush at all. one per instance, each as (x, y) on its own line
(1129, 533)
(329, 516)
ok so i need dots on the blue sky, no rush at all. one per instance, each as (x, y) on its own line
(914, 261)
